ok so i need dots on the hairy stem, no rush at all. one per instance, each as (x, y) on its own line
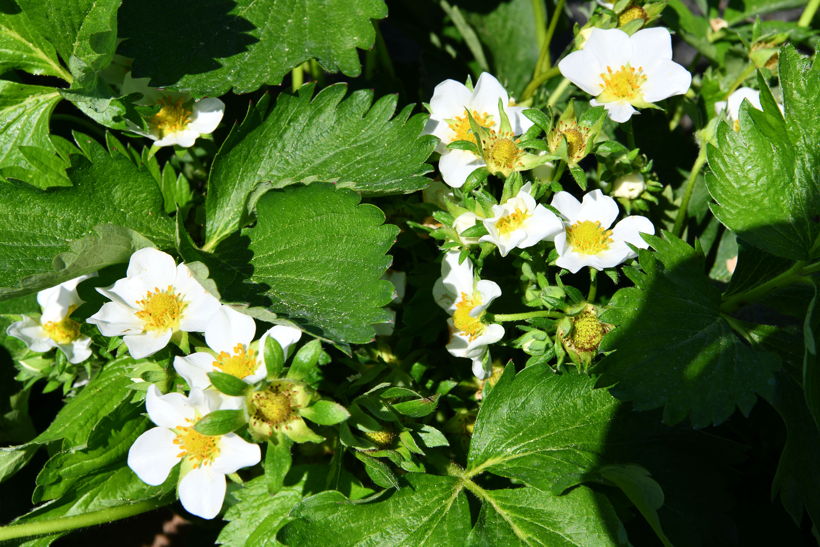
(687, 195)
(504, 317)
(64, 524)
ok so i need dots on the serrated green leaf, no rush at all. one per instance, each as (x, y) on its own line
(49, 237)
(528, 516)
(24, 114)
(431, 511)
(773, 163)
(347, 142)
(244, 44)
(228, 383)
(256, 515)
(321, 256)
(541, 428)
(697, 367)
(104, 394)
(221, 422)
(23, 46)
(325, 413)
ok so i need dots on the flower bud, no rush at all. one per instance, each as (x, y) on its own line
(628, 186)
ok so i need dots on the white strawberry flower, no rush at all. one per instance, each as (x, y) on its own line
(230, 334)
(463, 222)
(55, 328)
(206, 459)
(623, 71)
(449, 122)
(732, 104)
(156, 299)
(587, 240)
(520, 222)
(467, 299)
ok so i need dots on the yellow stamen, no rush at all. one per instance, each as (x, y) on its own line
(197, 448)
(623, 84)
(511, 222)
(273, 406)
(463, 321)
(161, 309)
(460, 125)
(503, 154)
(587, 331)
(589, 238)
(173, 116)
(63, 331)
(241, 364)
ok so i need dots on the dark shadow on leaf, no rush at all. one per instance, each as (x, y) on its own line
(171, 38)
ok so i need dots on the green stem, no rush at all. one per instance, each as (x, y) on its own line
(556, 94)
(543, 66)
(539, 11)
(796, 274)
(504, 317)
(593, 284)
(559, 8)
(297, 77)
(808, 13)
(690, 187)
(64, 524)
(537, 81)
(559, 170)
(630, 134)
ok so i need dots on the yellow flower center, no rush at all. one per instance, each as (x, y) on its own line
(630, 14)
(503, 153)
(273, 407)
(463, 321)
(161, 309)
(623, 84)
(64, 331)
(587, 332)
(173, 116)
(589, 238)
(241, 364)
(199, 449)
(576, 137)
(460, 125)
(511, 222)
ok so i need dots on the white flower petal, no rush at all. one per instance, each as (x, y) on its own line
(736, 99)
(666, 79)
(32, 334)
(235, 453)
(170, 410)
(573, 261)
(489, 291)
(479, 370)
(195, 368)
(567, 205)
(598, 207)
(202, 491)
(650, 46)
(629, 230)
(227, 328)
(456, 166)
(518, 121)
(153, 267)
(206, 115)
(456, 278)
(77, 350)
(610, 47)
(129, 290)
(284, 334)
(543, 224)
(449, 100)
(148, 343)
(583, 69)
(201, 305)
(618, 112)
(486, 94)
(153, 455)
(116, 319)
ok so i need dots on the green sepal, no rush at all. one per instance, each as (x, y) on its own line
(274, 358)
(221, 422)
(305, 361)
(325, 413)
(299, 432)
(228, 383)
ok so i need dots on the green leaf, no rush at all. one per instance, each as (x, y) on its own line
(347, 142)
(528, 516)
(773, 163)
(49, 237)
(23, 46)
(277, 462)
(325, 413)
(541, 428)
(416, 408)
(228, 383)
(321, 257)
(221, 422)
(102, 396)
(305, 362)
(26, 152)
(811, 365)
(255, 514)
(378, 471)
(507, 30)
(738, 11)
(432, 510)
(244, 44)
(697, 367)
(84, 32)
(14, 458)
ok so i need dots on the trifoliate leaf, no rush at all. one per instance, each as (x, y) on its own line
(49, 237)
(320, 256)
(764, 176)
(256, 515)
(432, 510)
(674, 348)
(348, 142)
(26, 152)
(243, 44)
(541, 428)
(528, 516)
(23, 46)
